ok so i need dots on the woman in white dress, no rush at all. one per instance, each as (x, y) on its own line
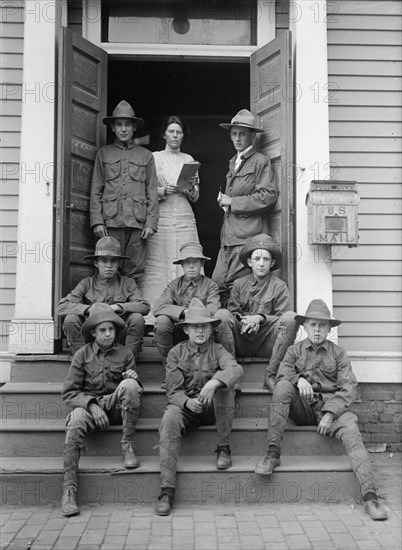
(177, 223)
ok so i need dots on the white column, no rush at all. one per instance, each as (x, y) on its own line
(32, 330)
(309, 31)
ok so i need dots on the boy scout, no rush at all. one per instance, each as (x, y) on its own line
(260, 304)
(101, 388)
(315, 385)
(200, 377)
(124, 191)
(176, 297)
(251, 190)
(109, 287)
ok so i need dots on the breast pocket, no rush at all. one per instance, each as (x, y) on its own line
(109, 206)
(137, 171)
(94, 378)
(247, 176)
(329, 371)
(111, 168)
(116, 372)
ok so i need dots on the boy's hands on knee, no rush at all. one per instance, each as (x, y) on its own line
(100, 417)
(305, 388)
(194, 405)
(208, 391)
(325, 423)
(130, 373)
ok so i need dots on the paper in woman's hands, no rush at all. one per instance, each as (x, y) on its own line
(189, 170)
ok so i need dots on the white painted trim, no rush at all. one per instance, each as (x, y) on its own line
(92, 21)
(266, 22)
(177, 50)
(377, 367)
(309, 38)
(33, 305)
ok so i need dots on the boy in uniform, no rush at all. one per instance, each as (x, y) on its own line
(102, 388)
(315, 385)
(200, 378)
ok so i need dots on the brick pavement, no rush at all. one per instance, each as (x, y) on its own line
(303, 526)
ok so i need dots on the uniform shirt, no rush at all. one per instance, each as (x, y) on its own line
(119, 290)
(178, 294)
(124, 189)
(253, 191)
(327, 368)
(269, 298)
(189, 367)
(94, 373)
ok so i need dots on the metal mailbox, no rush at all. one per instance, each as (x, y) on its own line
(333, 212)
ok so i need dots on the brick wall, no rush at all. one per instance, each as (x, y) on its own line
(379, 408)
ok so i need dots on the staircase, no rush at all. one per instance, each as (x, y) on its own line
(313, 469)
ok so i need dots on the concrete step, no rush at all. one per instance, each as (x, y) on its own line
(39, 400)
(46, 438)
(34, 481)
(53, 368)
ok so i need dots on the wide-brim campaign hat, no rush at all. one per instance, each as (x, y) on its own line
(190, 250)
(263, 242)
(198, 314)
(101, 313)
(317, 309)
(245, 119)
(107, 247)
(124, 110)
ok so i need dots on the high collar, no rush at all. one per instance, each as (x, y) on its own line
(171, 151)
(256, 282)
(244, 155)
(195, 348)
(102, 281)
(309, 345)
(97, 349)
(188, 282)
(129, 144)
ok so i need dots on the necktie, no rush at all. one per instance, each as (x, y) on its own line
(238, 161)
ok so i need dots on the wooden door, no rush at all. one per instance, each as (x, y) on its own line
(271, 97)
(82, 85)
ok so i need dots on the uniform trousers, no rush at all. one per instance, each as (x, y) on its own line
(228, 269)
(287, 402)
(176, 421)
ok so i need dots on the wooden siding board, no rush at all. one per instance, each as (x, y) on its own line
(359, 98)
(367, 36)
(376, 22)
(357, 267)
(369, 52)
(370, 314)
(11, 45)
(372, 175)
(365, 113)
(366, 82)
(372, 283)
(374, 144)
(384, 221)
(10, 139)
(377, 8)
(363, 129)
(364, 68)
(12, 30)
(358, 343)
(373, 298)
(358, 158)
(7, 280)
(11, 60)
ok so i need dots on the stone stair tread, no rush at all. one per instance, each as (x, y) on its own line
(33, 425)
(56, 387)
(189, 464)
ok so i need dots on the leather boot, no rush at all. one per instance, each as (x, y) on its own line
(69, 501)
(165, 502)
(269, 382)
(130, 459)
(223, 458)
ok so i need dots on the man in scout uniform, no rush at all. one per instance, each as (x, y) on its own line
(172, 305)
(200, 377)
(250, 192)
(102, 388)
(315, 385)
(124, 191)
(107, 286)
(264, 326)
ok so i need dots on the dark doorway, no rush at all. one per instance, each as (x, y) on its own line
(205, 94)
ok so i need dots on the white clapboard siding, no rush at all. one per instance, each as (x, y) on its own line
(11, 78)
(364, 67)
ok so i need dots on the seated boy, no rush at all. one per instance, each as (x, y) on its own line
(264, 326)
(200, 377)
(109, 287)
(176, 297)
(315, 385)
(101, 388)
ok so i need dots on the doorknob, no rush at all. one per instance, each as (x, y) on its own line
(70, 206)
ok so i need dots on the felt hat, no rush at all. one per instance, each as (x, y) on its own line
(107, 247)
(317, 309)
(263, 242)
(190, 250)
(99, 314)
(245, 119)
(198, 314)
(124, 110)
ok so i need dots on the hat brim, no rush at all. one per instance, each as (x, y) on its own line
(90, 324)
(301, 319)
(227, 126)
(109, 119)
(96, 257)
(248, 249)
(181, 260)
(213, 322)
